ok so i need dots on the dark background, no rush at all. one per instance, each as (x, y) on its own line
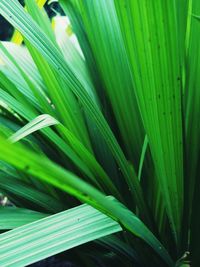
(6, 30)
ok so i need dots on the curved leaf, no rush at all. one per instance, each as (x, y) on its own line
(45, 170)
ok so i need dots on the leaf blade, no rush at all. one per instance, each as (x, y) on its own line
(73, 227)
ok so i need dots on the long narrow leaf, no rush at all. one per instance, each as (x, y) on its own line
(45, 170)
(54, 234)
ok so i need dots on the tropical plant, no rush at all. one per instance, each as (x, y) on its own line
(102, 111)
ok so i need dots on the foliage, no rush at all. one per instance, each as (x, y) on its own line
(106, 105)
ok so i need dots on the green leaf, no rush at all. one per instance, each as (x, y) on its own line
(15, 80)
(47, 171)
(38, 123)
(192, 132)
(15, 14)
(151, 39)
(50, 134)
(99, 177)
(24, 192)
(65, 102)
(53, 235)
(103, 32)
(12, 217)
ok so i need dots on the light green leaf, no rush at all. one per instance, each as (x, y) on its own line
(38, 123)
(53, 235)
